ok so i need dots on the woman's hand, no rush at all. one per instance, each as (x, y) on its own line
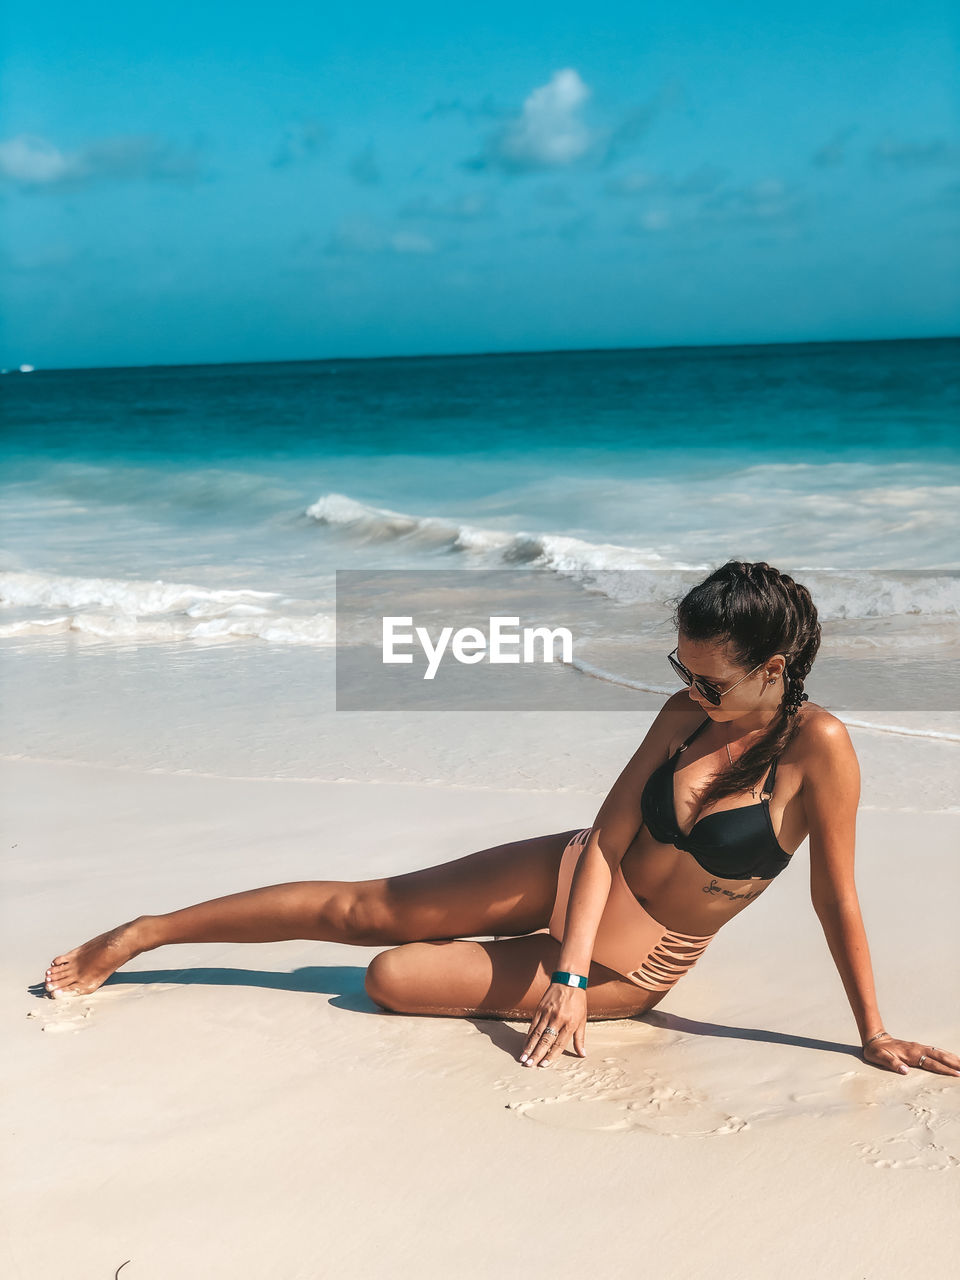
(563, 1010)
(900, 1055)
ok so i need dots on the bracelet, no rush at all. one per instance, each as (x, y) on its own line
(568, 979)
(875, 1036)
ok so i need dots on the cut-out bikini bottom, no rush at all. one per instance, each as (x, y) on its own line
(629, 940)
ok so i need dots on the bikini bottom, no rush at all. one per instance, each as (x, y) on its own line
(629, 940)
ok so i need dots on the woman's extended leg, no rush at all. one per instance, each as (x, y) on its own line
(508, 889)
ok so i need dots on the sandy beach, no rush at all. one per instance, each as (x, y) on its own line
(377, 387)
(247, 1111)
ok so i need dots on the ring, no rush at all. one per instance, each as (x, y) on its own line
(549, 1031)
(922, 1057)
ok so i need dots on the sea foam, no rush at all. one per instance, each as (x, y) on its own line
(637, 575)
(117, 609)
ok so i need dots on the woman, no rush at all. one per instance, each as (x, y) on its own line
(733, 775)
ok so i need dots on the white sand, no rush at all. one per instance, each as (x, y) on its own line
(239, 1111)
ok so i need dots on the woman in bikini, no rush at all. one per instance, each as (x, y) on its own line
(735, 772)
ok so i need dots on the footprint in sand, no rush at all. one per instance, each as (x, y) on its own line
(71, 1011)
(606, 1098)
(63, 1013)
(930, 1138)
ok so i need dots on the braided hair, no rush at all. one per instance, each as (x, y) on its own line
(757, 611)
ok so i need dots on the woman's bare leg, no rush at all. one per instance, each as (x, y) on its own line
(501, 979)
(507, 889)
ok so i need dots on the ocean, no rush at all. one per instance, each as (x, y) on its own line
(154, 515)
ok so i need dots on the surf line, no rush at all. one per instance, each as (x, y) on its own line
(597, 673)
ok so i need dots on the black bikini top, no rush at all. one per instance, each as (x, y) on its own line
(735, 844)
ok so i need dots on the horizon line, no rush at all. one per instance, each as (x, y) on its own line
(459, 355)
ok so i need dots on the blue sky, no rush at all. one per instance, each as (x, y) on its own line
(183, 185)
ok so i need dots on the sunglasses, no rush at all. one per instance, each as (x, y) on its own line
(704, 687)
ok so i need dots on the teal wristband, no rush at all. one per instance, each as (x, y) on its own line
(568, 979)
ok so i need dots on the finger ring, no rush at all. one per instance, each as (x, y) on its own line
(549, 1031)
(921, 1061)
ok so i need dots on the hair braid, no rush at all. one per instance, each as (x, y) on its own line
(808, 642)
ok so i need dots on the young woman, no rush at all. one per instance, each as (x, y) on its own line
(733, 775)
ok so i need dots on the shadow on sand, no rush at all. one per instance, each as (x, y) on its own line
(344, 983)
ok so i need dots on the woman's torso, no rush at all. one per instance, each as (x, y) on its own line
(669, 882)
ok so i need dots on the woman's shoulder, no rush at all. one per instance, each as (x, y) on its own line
(681, 717)
(676, 720)
(820, 734)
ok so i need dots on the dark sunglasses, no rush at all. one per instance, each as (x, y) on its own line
(704, 687)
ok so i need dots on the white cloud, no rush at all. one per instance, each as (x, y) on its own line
(548, 133)
(699, 181)
(768, 200)
(35, 163)
(354, 235)
(655, 220)
(463, 208)
(569, 229)
(361, 235)
(909, 153)
(650, 222)
(410, 242)
(631, 184)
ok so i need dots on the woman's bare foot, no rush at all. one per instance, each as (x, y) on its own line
(82, 970)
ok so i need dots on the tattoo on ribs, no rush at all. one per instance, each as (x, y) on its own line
(714, 888)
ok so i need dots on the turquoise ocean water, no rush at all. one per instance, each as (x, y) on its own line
(179, 508)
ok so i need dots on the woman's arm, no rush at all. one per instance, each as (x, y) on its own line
(617, 823)
(831, 789)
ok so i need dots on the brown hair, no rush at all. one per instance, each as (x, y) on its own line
(757, 611)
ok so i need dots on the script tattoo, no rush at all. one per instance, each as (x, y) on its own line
(714, 888)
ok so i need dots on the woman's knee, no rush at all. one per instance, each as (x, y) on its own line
(384, 979)
(360, 913)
